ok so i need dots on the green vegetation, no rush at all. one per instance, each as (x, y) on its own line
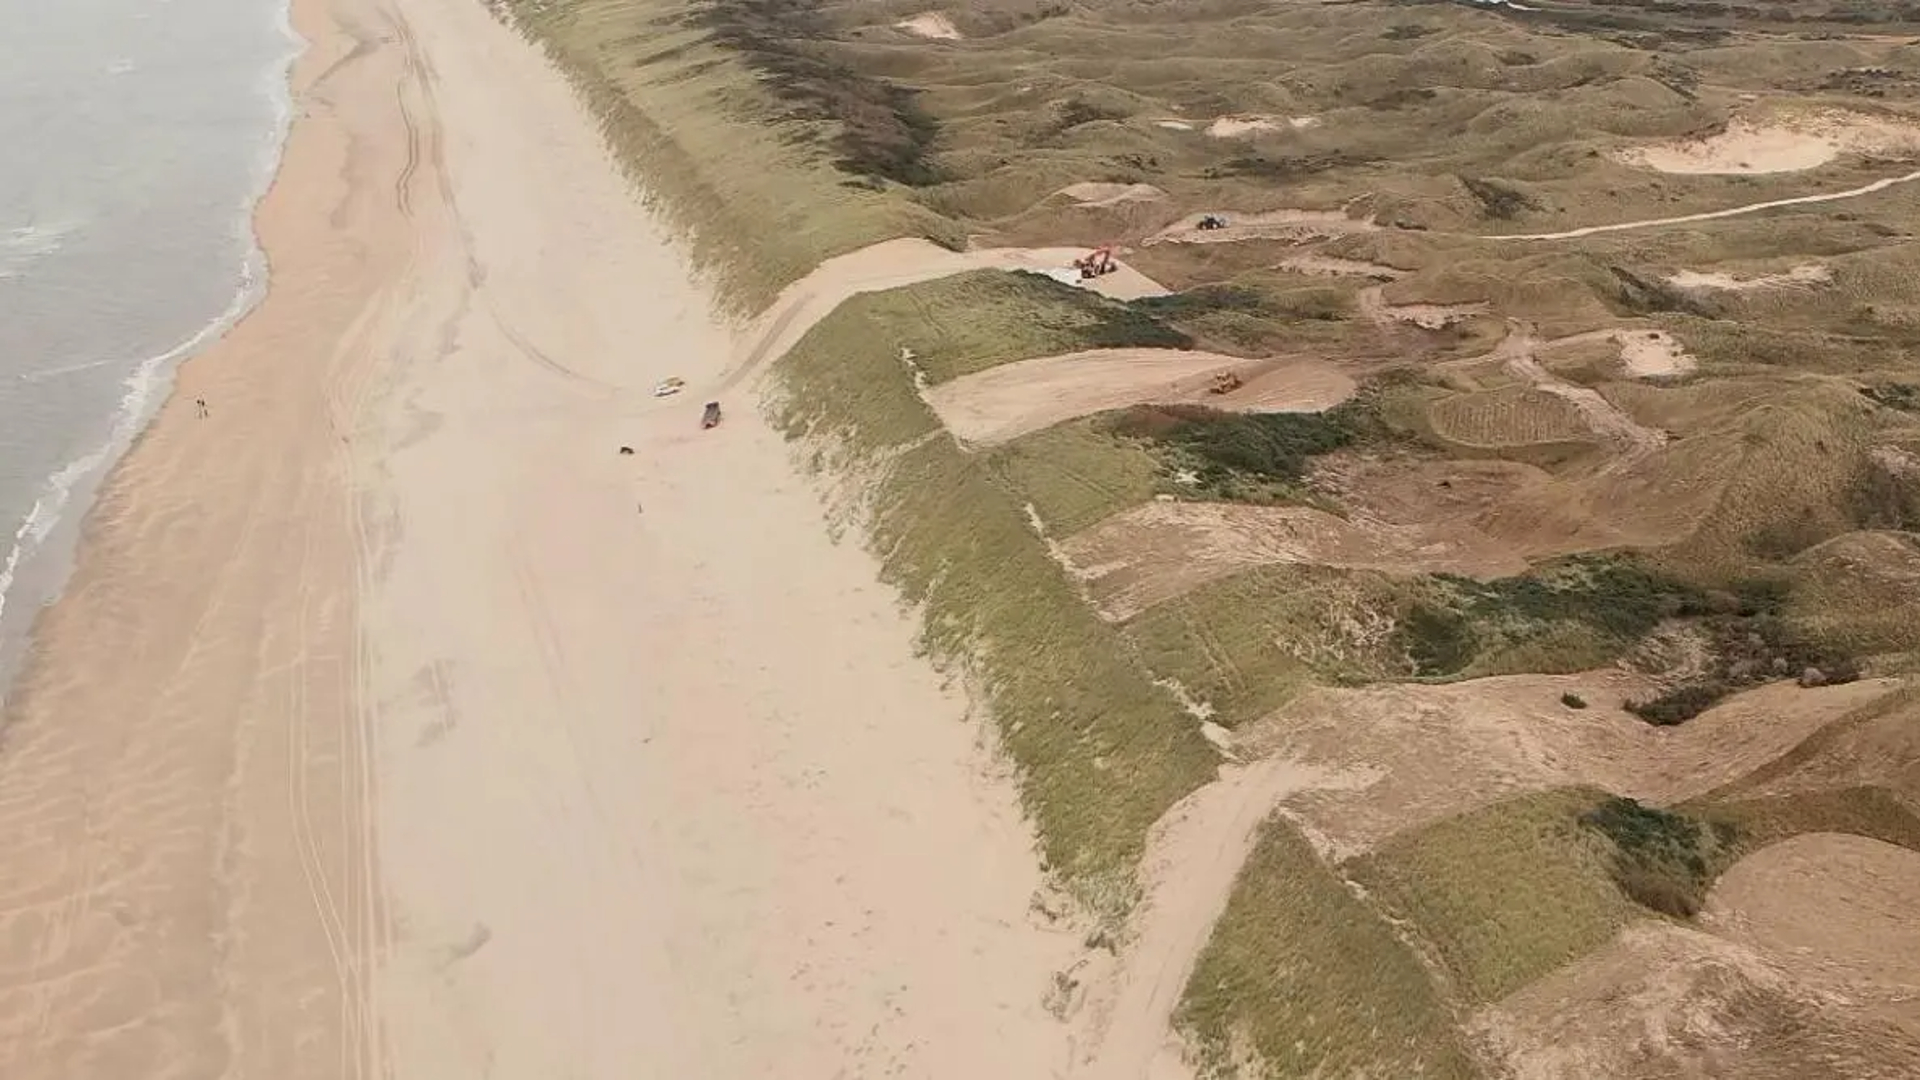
(1316, 981)
(1102, 751)
(971, 322)
(877, 126)
(1894, 395)
(1497, 200)
(1239, 457)
(750, 167)
(1503, 894)
(1247, 644)
(1745, 650)
(1075, 474)
(1663, 861)
(1862, 810)
(1608, 601)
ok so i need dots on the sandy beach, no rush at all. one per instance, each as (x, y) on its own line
(393, 724)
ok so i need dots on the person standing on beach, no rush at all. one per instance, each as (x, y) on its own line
(200, 407)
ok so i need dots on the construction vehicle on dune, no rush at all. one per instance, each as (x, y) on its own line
(1225, 383)
(1096, 262)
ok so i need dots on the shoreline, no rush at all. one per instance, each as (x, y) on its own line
(175, 895)
(45, 548)
(376, 734)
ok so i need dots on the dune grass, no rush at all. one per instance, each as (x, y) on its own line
(775, 134)
(749, 182)
(1312, 981)
(968, 323)
(1502, 894)
(1077, 474)
(1101, 750)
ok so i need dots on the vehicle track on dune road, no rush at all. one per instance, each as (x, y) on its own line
(1715, 215)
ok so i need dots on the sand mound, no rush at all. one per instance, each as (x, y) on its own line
(1154, 553)
(1328, 266)
(1800, 276)
(1653, 354)
(1835, 910)
(1095, 193)
(1663, 1000)
(1011, 400)
(1778, 145)
(930, 25)
(1447, 749)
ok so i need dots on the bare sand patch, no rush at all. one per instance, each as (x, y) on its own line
(1162, 550)
(1652, 354)
(1778, 144)
(1445, 749)
(1003, 403)
(1095, 193)
(1174, 125)
(1282, 224)
(1194, 856)
(1664, 1000)
(1836, 911)
(1802, 276)
(930, 25)
(1233, 127)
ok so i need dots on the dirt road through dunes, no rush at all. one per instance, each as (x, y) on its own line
(664, 790)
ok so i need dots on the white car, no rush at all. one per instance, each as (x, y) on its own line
(669, 388)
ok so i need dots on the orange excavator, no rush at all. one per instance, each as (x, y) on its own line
(1225, 383)
(1096, 262)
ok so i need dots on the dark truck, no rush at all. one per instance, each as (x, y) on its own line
(711, 418)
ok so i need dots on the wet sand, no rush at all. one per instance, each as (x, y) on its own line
(381, 733)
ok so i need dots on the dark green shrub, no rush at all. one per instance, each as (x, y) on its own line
(1663, 861)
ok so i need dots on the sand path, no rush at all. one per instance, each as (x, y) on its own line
(664, 789)
(1194, 856)
(1713, 215)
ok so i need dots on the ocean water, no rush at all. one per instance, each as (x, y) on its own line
(138, 135)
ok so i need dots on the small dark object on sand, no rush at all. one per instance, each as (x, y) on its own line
(626, 449)
(711, 416)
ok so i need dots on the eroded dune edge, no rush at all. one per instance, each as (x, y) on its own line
(1364, 627)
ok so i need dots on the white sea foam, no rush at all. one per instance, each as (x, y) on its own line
(145, 386)
(24, 245)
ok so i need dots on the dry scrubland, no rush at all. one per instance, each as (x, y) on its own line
(1588, 589)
